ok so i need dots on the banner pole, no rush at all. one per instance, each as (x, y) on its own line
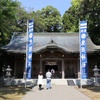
(80, 57)
(26, 56)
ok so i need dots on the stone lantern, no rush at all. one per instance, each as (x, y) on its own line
(8, 74)
(3, 76)
(96, 75)
(8, 71)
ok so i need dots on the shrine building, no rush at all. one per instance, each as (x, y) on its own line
(58, 51)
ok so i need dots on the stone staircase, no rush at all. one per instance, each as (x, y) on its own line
(57, 81)
(67, 82)
(70, 83)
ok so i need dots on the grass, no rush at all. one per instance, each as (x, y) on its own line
(91, 91)
(12, 92)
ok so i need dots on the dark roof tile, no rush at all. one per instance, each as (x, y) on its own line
(67, 42)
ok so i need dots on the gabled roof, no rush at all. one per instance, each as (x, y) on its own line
(68, 42)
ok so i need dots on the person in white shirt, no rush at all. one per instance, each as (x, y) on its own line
(48, 79)
(40, 80)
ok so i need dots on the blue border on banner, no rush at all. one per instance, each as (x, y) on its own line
(29, 49)
(83, 50)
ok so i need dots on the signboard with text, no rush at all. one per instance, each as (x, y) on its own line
(29, 49)
(83, 50)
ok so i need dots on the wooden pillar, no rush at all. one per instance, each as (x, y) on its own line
(14, 68)
(14, 65)
(63, 72)
(78, 67)
(24, 69)
(40, 65)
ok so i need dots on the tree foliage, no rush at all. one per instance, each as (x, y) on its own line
(7, 16)
(84, 10)
(13, 18)
(90, 10)
(22, 16)
(70, 21)
(39, 24)
(70, 18)
(49, 20)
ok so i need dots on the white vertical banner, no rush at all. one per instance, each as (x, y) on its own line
(29, 48)
(83, 50)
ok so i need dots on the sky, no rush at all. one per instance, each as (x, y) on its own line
(61, 5)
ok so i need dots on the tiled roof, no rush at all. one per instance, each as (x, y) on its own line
(68, 42)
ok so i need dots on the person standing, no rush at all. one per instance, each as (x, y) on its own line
(48, 79)
(40, 80)
(53, 73)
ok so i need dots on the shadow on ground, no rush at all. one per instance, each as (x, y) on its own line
(92, 88)
(7, 91)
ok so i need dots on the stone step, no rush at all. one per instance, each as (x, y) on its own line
(57, 81)
(70, 82)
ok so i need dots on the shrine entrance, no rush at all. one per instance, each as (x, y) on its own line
(53, 66)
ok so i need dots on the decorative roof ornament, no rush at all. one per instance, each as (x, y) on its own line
(52, 42)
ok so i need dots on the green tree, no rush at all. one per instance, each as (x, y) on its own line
(39, 24)
(48, 20)
(7, 16)
(84, 10)
(70, 21)
(90, 10)
(71, 18)
(20, 24)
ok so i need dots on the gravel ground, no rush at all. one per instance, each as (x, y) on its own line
(57, 92)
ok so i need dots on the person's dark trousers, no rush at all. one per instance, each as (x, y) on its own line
(40, 86)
